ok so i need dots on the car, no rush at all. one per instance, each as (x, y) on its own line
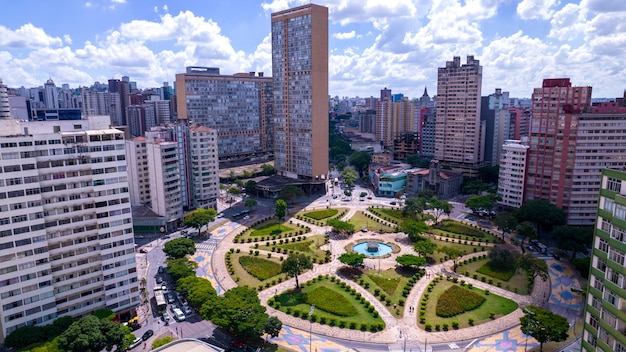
(159, 280)
(165, 317)
(165, 289)
(246, 217)
(171, 298)
(135, 343)
(392, 203)
(178, 314)
(165, 237)
(220, 215)
(161, 270)
(237, 343)
(146, 335)
(369, 197)
(144, 250)
(187, 309)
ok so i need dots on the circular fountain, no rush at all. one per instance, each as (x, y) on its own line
(372, 248)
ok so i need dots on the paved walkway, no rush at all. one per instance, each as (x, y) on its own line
(500, 332)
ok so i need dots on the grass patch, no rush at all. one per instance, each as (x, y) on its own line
(243, 277)
(465, 248)
(336, 304)
(330, 301)
(387, 284)
(301, 246)
(457, 300)
(359, 220)
(495, 304)
(321, 214)
(260, 268)
(518, 283)
(460, 228)
(271, 229)
(497, 274)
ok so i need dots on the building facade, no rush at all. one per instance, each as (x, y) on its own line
(238, 106)
(67, 243)
(300, 74)
(605, 316)
(204, 167)
(459, 133)
(512, 173)
(5, 108)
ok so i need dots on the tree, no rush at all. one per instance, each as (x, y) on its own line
(341, 227)
(239, 311)
(281, 209)
(414, 229)
(199, 218)
(424, 247)
(180, 268)
(362, 194)
(234, 190)
(179, 247)
(506, 223)
(452, 253)
(476, 203)
(417, 161)
(162, 341)
(349, 176)
(501, 259)
(250, 187)
(526, 230)
(573, 238)
(273, 325)
(296, 264)
(267, 170)
(439, 207)
(352, 259)
(410, 260)
(199, 290)
(91, 334)
(250, 203)
(473, 186)
(290, 192)
(541, 213)
(413, 206)
(544, 325)
(361, 161)
(533, 266)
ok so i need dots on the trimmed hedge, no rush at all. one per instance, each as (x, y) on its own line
(331, 302)
(457, 300)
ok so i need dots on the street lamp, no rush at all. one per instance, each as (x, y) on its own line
(532, 321)
(311, 327)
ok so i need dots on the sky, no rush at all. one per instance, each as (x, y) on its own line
(373, 44)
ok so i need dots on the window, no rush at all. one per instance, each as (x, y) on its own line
(593, 321)
(609, 318)
(609, 205)
(600, 264)
(616, 255)
(597, 284)
(618, 234)
(614, 185)
(610, 297)
(603, 245)
(620, 212)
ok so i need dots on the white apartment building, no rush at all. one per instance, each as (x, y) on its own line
(138, 172)
(512, 173)
(66, 232)
(204, 166)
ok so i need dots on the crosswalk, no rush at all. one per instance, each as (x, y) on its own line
(209, 245)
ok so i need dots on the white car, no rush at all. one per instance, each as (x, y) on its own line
(178, 314)
(187, 309)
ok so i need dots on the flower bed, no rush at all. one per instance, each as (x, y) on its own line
(457, 300)
(330, 301)
(321, 214)
(259, 268)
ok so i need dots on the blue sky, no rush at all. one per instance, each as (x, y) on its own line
(374, 44)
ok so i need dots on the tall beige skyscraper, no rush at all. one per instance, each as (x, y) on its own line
(300, 73)
(459, 133)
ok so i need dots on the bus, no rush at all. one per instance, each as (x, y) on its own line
(159, 297)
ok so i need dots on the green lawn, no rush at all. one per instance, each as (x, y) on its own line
(486, 269)
(389, 283)
(495, 304)
(321, 214)
(271, 229)
(518, 283)
(458, 230)
(243, 277)
(466, 248)
(334, 305)
(309, 245)
(260, 268)
(359, 220)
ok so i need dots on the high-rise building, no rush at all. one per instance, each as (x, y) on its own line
(494, 111)
(67, 243)
(605, 319)
(512, 173)
(395, 119)
(119, 99)
(300, 76)
(51, 96)
(459, 132)
(204, 167)
(556, 109)
(5, 108)
(238, 106)
(426, 131)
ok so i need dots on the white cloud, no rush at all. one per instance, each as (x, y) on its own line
(603, 5)
(88, 4)
(568, 23)
(27, 36)
(67, 39)
(345, 35)
(118, 1)
(535, 9)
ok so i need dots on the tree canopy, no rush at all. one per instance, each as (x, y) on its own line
(544, 325)
(341, 227)
(289, 193)
(417, 161)
(361, 161)
(273, 325)
(501, 259)
(267, 170)
(179, 247)
(414, 229)
(533, 266)
(410, 260)
(199, 218)
(199, 290)
(573, 238)
(92, 334)
(250, 203)
(526, 230)
(296, 264)
(425, 247)
(349, 176)
(439, 207)
(239, 311)
(485, 202)
(181, 267)
(541, 213)
(250, 186)
(352, 259)
(281, 209)
(452, 253)
(414, 206)
(506, 222)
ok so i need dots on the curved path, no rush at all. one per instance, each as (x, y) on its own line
(212, 265)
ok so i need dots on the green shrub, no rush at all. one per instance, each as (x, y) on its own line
(457, 300)
(330, 301)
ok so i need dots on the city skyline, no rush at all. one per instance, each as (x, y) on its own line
(397, 44)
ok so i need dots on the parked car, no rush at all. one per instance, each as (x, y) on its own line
(392, 203)
(187, 309)
(237, 343)
(165, 289)
(178, 314)
(166, 317)
(171, 298)
(159, 280)
(146, 335)
(136, 343)
(161, 270)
